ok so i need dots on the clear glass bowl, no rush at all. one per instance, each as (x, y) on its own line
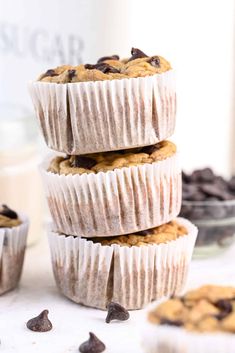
(216, 224)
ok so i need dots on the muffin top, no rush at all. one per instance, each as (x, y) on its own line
(106, 161)
(109, 68)
(8, 217)
(159, 235)
(207, 309)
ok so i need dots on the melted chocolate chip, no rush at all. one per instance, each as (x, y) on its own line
(50, 73)
(149, 149)
(224, 305)
(7, 212)
(71, 74)
(83, 162)
(137, 54)
(103, 67)
(145, 232)
(116, 312)
(111, 57)
(171, 322)
(93, 345)
(40, 323)
(154, 61)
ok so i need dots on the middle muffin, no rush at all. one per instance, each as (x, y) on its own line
(114, 193)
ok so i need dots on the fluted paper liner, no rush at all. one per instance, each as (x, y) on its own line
(12, 249)
(116, 202)
(166, 339)
(93, 274)
(89, 117)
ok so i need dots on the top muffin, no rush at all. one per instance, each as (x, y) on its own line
(109, 68)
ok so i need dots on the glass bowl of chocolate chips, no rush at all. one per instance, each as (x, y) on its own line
(209, 202)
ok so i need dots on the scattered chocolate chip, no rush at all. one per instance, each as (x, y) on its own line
(103, 67)
(154, 61)
(83, 162)
(93, 345)
(50, 73)
(71, 74)
(111, 57)
(40, 323)
(6, 211)
(116, 312)
(149, 149)
(137, 54)
(171, 322)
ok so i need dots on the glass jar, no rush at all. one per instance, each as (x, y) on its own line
(216, 225)
(20, 183)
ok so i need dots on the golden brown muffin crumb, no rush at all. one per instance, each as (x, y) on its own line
(159, 235)
(106, 161)
(109, 68)
(206, 309)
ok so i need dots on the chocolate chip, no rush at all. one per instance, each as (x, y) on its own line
(206, 174)
(71, 74)
(171, 322)
(231, 184)
(185, 177)
(137, 54)
(83, 162)
(103, 67)
(7, 212)
(145, 232)
(213, 190)
(149, 149)
(50, 73)
(116, 312)
(224, 305)
(154, 61)
(40, 323)
(93, 345)
(104, 58)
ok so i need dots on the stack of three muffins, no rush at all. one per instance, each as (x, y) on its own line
(119, 183)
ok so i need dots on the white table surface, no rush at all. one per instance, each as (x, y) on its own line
(72, 322)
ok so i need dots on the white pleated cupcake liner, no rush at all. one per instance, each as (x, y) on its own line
(90, 117)
(165, 339)
(122, 201)
(12, 249)
(93, 274)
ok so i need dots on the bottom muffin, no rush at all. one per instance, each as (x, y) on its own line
(13, 236)
(201, 321)
(132, 270)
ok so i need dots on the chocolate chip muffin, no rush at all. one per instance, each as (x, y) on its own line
(111, 193)
(150, 264)
(158, 235)
(109, 161)
(111, 105)
(195, 318)
(109, 68)
(13, 235)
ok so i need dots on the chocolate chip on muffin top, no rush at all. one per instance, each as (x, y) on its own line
(8, 217)
(108, 161)
(207, 309)
(109, 68)
(159, 235)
